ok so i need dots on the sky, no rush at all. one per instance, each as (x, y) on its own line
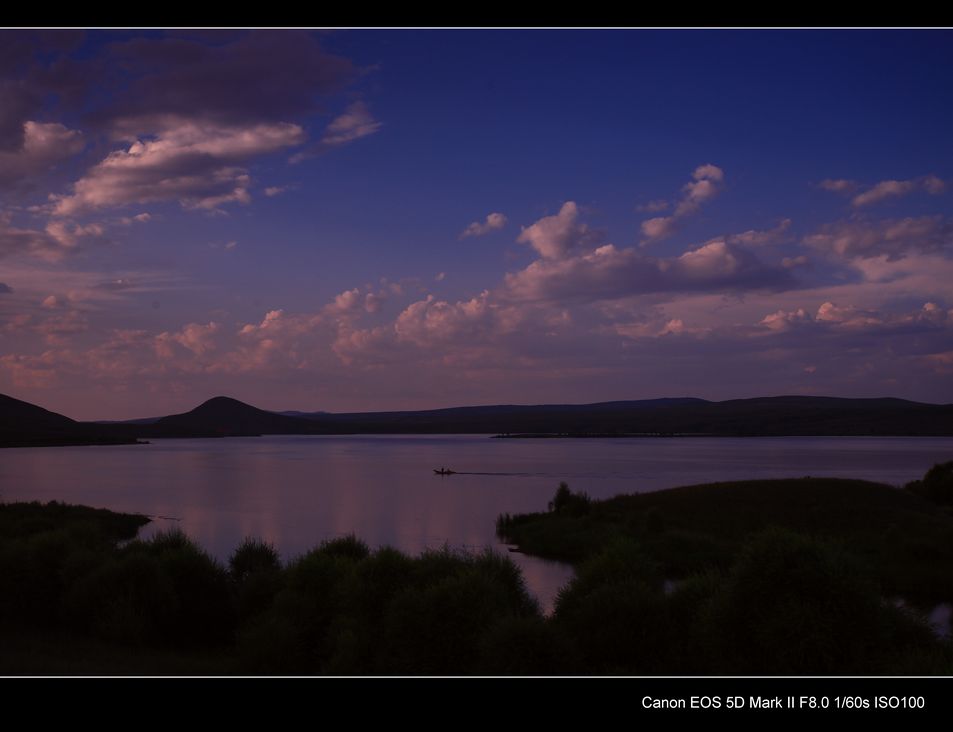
(361, 220)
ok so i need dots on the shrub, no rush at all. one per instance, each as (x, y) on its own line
(568, 503)
(795, 605)
(614, 613)
(253, 556)
(937, 484)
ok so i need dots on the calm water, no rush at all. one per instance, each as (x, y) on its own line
(297, 491)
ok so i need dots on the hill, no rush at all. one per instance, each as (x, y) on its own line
(226, 417)
(26, 425)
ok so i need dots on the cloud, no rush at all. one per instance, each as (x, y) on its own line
(137, 219)
(661, 227)
(838, 185)
(52, 243)
(933, 185)
(5, 289)
(849, 318)
(609, 273)
(223, 79)
(706, 183)
(884, 189)
(757, 238)
(554, 237)
(272, 191)
(782, 321)
(196, 338)
(893, 238)
(193, 163)
(653, 206)
(572, 267)
(116, 285)
(43, 145)
(494, 222)
(356, 122)
(33, 74)
(896, 188)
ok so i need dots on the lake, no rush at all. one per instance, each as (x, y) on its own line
(297, 491)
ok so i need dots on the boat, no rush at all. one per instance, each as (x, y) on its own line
(444, 471)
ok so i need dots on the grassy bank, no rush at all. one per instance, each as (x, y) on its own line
(905, 540)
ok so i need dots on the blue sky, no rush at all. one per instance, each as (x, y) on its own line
(280, 217)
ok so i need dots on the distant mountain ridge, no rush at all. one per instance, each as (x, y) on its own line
(24, 424)
(777, 416)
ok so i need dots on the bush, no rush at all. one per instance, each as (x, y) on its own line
(795, 605)
(614, 613)
(524, 646)
(937, 484)
(568, 503)
(164, 591)
(253, 556)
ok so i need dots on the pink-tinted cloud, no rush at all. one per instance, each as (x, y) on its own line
(653, 206)
(493, 222)
(838, 185)
(897, 188)
(430, 321)
(660, 227)
(43, 145)
(554, 237)
(706, 183)
(610, 273)
(893, 238)
(53, 243)
(197, 338)
(761, 238)
(849, 318)
(885, 189)
(196, 164)
(356, 122)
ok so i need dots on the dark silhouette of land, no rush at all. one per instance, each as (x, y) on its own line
(26, 425)
(23, 424)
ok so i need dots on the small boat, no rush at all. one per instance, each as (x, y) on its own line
(444, 471)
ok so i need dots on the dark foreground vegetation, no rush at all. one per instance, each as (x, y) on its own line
(766, 577)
